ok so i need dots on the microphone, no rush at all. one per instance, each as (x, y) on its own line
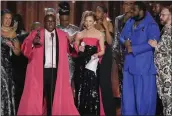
(52, 35)
(52, 80)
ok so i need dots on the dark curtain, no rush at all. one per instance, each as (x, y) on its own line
(32, 11)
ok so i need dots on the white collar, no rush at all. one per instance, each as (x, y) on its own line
(50, 32)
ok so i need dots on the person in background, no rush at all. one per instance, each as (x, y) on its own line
(156, 9)
(118, 53)
(9, 45)
(49, 11)
(139, 91)
(104, 25)
(20, 29)
(36, 25)
(47, 90)
(71, 30)
(64, 15)
(18, 20)
(163, 60)
(19, 63)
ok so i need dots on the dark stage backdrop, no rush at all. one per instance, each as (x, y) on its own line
(32, 11)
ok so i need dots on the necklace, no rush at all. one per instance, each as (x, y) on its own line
(5, 29)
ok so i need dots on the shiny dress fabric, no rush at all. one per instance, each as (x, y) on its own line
(118, 57)
(86, 82)
(7, 84)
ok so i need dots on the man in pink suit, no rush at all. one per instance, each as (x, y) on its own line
(47, 89)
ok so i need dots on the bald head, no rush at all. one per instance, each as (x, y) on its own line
(50, 22)
(36, 25)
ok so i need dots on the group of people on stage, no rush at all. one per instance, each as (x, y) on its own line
(103, 67)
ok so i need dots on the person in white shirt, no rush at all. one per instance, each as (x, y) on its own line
(47, 77)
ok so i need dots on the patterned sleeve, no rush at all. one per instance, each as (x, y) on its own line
(163, 54)
(167, 41)
(170, 52)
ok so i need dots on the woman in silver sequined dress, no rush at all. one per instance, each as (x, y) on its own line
(9, 44)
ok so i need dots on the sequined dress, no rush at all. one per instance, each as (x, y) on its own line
(87, 83)
(117, 50)
(7, 84)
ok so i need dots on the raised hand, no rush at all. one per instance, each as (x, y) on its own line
(36, 40)
(105, 23)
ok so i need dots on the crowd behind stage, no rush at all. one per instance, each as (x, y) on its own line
(102, 67)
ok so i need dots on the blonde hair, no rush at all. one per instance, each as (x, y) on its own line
(81, 27)
(90, 13)
(86, 14)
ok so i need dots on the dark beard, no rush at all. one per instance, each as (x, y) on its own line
(137, 18)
